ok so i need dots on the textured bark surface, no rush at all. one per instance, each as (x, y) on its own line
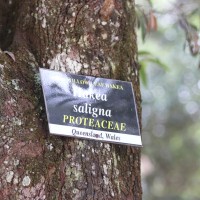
(92, 37)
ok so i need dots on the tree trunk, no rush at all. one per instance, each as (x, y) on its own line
(89, 37)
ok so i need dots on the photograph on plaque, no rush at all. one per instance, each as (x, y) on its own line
(90, 107)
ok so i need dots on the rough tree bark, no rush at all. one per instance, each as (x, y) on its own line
(92, 37)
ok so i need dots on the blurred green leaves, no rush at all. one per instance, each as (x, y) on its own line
(171, 102)
(141, 21)
(145, 59)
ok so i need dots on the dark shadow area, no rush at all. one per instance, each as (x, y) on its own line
(8, 17)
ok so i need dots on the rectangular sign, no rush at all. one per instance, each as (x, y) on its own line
(91, 108)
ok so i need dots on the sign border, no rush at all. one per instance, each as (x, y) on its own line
(64, 130)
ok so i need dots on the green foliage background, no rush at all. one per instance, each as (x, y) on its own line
(171, 113)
